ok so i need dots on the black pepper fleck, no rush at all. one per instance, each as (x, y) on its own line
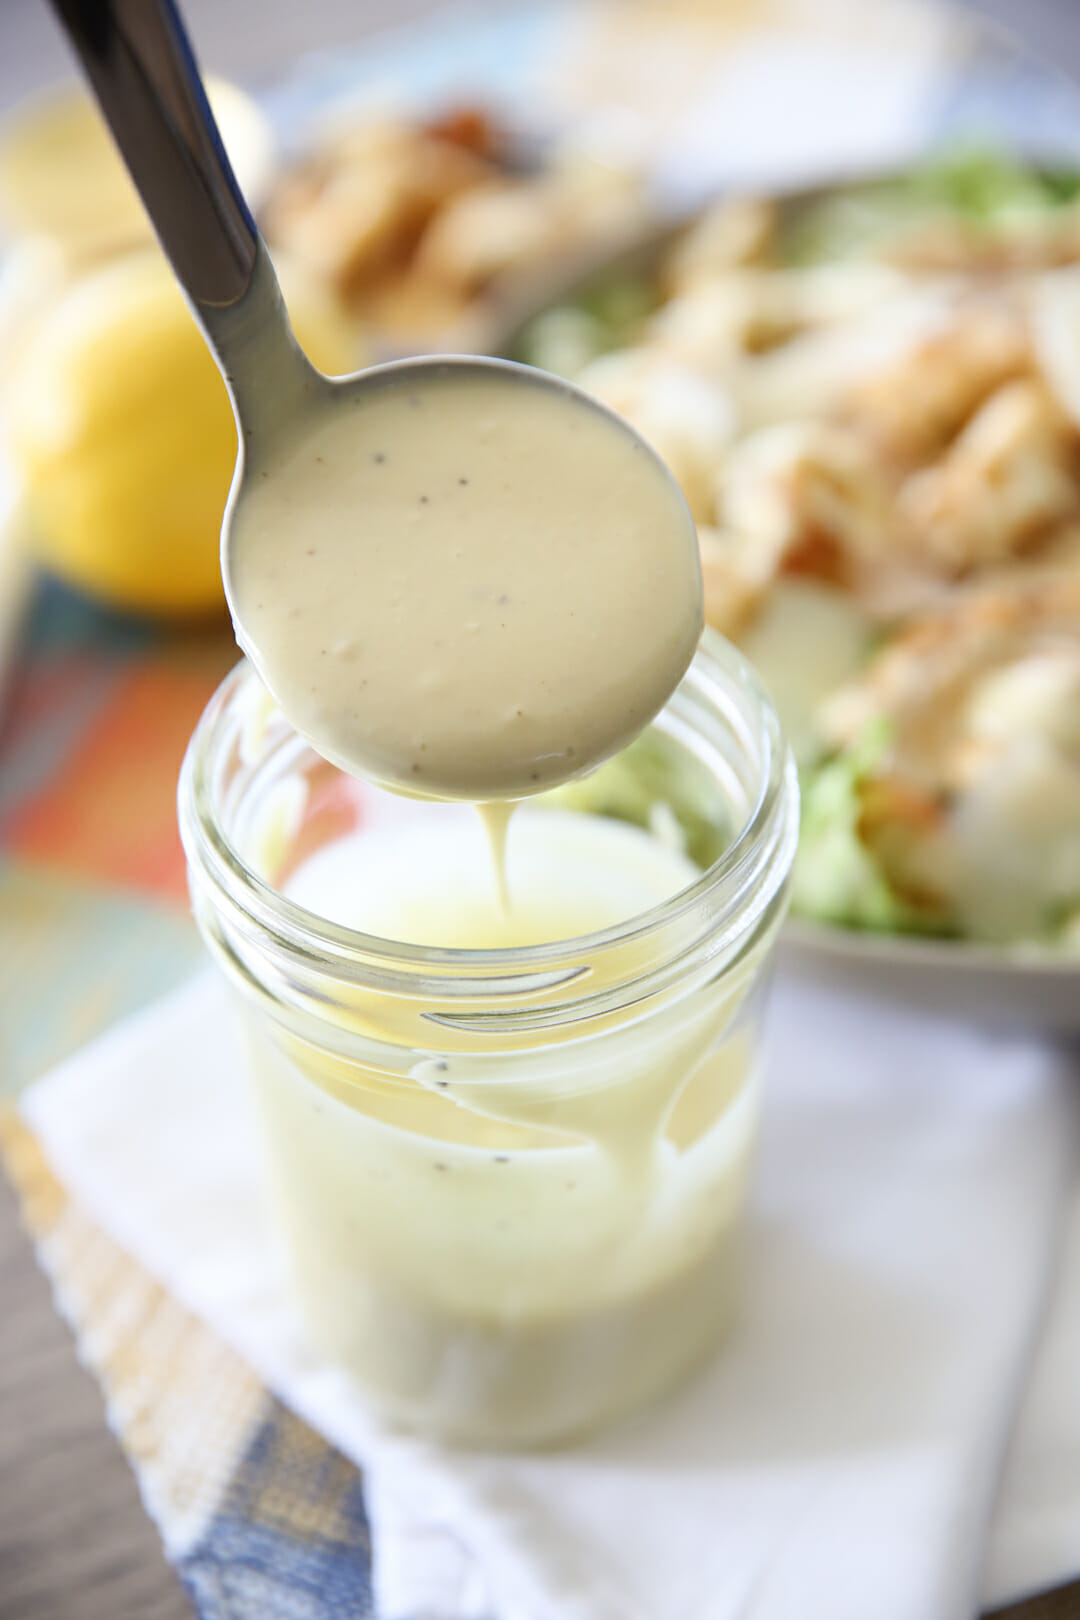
(442, 1167)
(502, 1158)
(379, 457)
(463, 480)
(423, 500)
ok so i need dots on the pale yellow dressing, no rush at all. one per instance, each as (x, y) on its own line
(469, 585)
(509, 1246)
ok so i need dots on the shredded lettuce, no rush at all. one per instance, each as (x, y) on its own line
(837, 879)
(563, 340)
(607, 315)
(1068, 932)
(984, 185)
(651, 785)
(990, 184)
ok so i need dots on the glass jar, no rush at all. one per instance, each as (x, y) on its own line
(510, 1180)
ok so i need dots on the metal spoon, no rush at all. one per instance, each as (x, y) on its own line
(140, 64)
(138, 59)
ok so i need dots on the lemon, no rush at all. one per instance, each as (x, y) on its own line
(61, 176)
(121, 431)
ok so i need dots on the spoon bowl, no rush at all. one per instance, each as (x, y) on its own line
(422, 566)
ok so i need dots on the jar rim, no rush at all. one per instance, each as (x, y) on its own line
(754, 864)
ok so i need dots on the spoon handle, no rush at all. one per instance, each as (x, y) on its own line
(139, 61)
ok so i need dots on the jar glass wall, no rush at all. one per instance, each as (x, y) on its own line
(509, 1179)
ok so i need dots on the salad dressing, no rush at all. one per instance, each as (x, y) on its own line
(475, 585)
(507, 1245)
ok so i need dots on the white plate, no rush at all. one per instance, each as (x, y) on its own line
(1006, 987)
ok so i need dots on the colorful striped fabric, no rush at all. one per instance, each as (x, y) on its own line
(261, 1518)
(93, 904)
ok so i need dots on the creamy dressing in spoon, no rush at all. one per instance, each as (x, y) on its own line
(474, 583)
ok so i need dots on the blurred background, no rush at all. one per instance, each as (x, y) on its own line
(33, 55)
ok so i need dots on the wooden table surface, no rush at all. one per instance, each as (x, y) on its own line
(74, 1541)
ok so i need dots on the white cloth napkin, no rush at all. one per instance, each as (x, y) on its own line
(842, 1455)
